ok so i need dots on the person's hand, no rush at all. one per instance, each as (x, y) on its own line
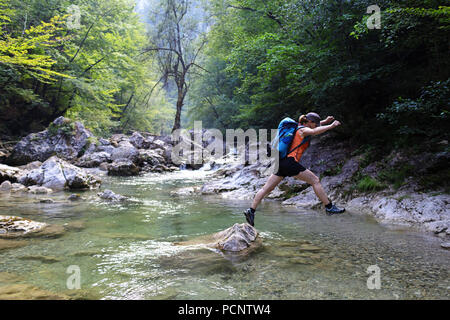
(329, 119)
(335, 124)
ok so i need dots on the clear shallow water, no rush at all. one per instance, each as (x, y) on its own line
(128, 251)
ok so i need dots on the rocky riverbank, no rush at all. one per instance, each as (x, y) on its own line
(56, 159)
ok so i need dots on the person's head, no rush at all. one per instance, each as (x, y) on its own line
(310, 120)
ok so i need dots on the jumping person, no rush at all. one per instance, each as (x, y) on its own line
(310, 125)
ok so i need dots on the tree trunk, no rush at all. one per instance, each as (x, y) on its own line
(177, 123)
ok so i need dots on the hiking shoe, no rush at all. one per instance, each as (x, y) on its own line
(250, 216)
(334, 210)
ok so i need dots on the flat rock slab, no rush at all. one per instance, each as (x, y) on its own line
(10, 225)
(18, 227)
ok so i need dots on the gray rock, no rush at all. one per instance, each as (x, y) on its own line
(236, 238)
(138, 141)
(57, 174)
(109, 195)
(46, 201)
(103, 166)
(13, 226)
(104, 142)
(123, 168)
(92, 160)
(39, 190)
(445, 245)
(17, 187)
(31, 165)
(6, 186)
(64, 138)
(74, 197)
(125, 151)
(9, 173)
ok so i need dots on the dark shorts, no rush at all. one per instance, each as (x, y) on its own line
(288, 167)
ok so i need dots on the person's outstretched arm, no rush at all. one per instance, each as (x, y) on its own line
(314, 132)
(328, 120)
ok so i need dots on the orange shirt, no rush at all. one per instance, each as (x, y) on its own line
(297, 153)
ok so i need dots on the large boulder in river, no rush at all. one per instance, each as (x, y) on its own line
(64, 138)
(236, 238)
(57, 174)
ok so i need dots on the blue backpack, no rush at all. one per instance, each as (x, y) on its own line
(286, 132)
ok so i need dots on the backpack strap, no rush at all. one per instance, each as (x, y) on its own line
(305, 140)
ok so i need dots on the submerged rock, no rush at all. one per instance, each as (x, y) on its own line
(57, 174)
(187, 191)
(41, 258)
(109, 195)
(11, 244)
(28, 292)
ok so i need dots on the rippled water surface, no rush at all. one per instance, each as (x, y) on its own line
(128, 251)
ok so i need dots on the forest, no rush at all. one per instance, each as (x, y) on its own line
(154, 66)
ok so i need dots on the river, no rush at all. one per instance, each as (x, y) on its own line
(128, 250)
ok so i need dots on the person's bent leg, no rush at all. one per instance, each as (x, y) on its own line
(314, 181)
(271, 183)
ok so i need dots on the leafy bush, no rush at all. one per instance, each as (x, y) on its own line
(368, 184)
(396, 176)
(423, 118)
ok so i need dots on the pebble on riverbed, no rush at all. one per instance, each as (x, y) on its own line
(445, 245)
(74, 197)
